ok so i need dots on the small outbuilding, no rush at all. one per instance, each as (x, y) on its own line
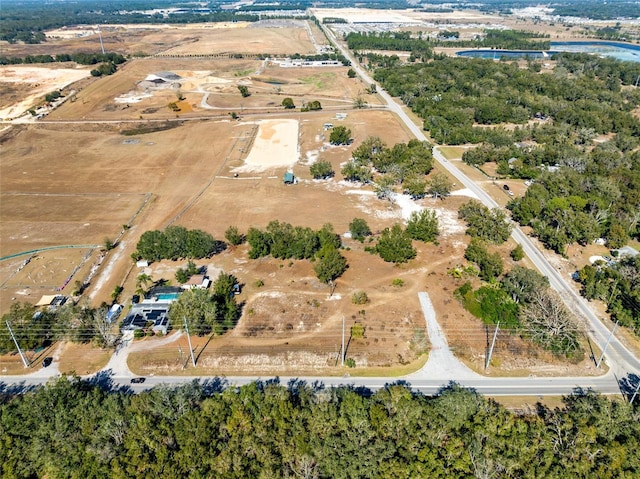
(289, 179)
(197, 281)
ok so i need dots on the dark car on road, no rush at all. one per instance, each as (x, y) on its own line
(46, 362)
(137, 380)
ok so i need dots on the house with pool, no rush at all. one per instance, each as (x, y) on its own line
(153, 311)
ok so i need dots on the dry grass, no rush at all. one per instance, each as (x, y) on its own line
(83, 358)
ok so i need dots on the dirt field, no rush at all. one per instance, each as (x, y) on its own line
(84, 180)
(209, 91)
(22, 87)
(283, 41)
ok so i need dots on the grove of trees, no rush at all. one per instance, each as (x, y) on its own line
(176, 242)
(618, 285)
(207, 312)
(284, 241)
(78, 323)
(83, 428)
(405, 164)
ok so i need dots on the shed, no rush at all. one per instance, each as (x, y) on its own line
(288, 178)
(197, 281)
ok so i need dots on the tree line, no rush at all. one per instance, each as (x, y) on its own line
(81, 58)
(422, 47)
(33, 328)
(176, 242)
(87, 428)
(617, 284)
(284, 241)
(27, 21)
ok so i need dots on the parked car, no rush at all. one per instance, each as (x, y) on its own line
(46, 362)
(137, 380)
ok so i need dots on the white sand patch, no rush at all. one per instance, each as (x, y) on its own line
(360, 192)
(311, 157)
(42, 79)
(202, 75)
(593, 259)
(448, 222)
(406, 204)
(465, 192)
(132, 97)
(276, 145)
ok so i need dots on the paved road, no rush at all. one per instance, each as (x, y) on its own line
(618, 357)
(530, 386)
(441, 368)
(624, 365)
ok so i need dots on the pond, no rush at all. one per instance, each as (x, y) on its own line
(619, 50)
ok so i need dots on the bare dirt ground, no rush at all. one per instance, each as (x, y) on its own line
(283, 41)
(97, 179)
(22, 86)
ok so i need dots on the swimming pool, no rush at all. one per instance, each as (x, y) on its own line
(167, 296)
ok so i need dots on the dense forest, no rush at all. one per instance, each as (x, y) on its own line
(73, 428)
(591, 191)
(595, 9)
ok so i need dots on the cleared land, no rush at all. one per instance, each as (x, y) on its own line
(22, 87)
(87, 179)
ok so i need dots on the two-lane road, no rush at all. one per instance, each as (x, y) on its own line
(619, 358)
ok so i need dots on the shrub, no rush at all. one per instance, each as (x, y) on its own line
(359, 297)
(517, 253)
(359, 229)
(321, 170)
(357, 331)
(233, 236)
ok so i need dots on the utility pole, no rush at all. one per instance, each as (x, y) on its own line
(186, 326)
(182, 357)
(24, 360)
(342, 350)
(493, 343)
(604, 350)
(635, 393)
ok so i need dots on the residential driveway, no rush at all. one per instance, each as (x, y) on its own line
(117, 365)
(442, 364)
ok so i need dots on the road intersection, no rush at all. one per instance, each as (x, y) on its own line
(442, 367)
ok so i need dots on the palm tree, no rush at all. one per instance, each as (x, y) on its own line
(143, 280)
